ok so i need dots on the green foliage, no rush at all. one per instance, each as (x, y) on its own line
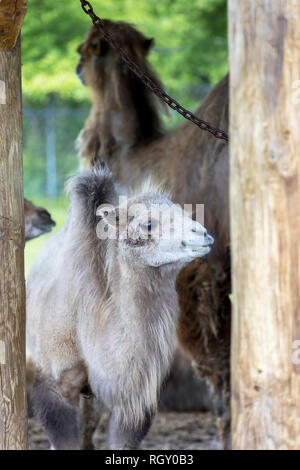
(191, 44)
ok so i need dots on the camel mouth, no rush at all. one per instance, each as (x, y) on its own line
(198, 245)
(40, 229)
(203, 250)
(46, 228)
(79, 73)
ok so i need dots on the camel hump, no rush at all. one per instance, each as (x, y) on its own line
(93, 189)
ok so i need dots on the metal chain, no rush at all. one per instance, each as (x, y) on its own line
(100, 25)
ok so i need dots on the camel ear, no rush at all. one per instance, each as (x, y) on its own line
(148, 44)
(108, 213)
(106, 227)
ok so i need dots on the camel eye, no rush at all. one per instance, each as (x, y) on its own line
(147, 227)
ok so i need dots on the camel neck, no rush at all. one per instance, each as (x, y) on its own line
(146, 295)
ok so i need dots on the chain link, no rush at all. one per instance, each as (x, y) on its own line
(100, 25)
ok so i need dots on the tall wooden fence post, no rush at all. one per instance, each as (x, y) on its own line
(265, 222)
(13, 414)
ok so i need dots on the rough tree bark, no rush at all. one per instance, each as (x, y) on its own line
(13, 414)
(265, 222)
(12, 13)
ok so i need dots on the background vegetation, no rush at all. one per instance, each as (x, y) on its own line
(191, 43)
(190, 54)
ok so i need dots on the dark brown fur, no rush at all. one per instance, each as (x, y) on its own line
(194, 166)
(126, 113)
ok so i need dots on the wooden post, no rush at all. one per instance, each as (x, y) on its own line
(265, 222)
(12, 14)
(13, 414)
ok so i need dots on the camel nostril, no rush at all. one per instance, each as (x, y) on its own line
(199, 229)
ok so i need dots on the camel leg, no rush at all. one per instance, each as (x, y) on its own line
(221, 402)
(223, 427)
(121, 437)
(90, 418)
(60, 420)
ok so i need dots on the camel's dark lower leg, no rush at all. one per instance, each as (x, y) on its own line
(221, 405)
(90, 419)
(221, 401)
(60, 420)
(124, 438)
(223, 426)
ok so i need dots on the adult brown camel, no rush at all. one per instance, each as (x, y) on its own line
(111, 321)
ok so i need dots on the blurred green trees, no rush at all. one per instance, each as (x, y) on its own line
(191, 43)
(190, 54)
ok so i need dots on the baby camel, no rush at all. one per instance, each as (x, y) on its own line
(124, 129)
(102, 308)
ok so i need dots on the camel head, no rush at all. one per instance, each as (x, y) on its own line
(98, 59)
(37, 220)
(150, 230)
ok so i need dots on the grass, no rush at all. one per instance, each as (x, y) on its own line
(58, 210)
